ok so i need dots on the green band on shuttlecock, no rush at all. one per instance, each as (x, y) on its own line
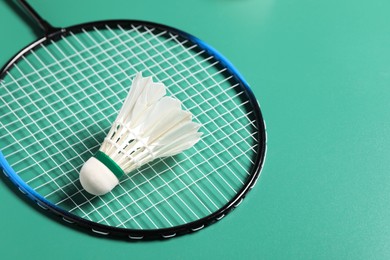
(110, 164)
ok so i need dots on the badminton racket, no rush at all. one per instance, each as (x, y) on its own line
(61, 93)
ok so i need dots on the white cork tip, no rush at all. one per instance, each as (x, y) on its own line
(96, 178)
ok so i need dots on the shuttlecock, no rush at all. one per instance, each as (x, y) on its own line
(149, 125)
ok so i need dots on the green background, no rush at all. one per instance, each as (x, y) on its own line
(321, 72)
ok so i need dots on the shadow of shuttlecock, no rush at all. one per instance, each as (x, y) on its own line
(157, 174)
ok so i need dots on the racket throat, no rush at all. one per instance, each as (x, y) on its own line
(45, 26)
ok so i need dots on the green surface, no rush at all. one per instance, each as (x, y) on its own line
(321, 71)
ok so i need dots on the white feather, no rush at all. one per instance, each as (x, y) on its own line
(149, 125)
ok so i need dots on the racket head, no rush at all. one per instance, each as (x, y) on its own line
(89, 68)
